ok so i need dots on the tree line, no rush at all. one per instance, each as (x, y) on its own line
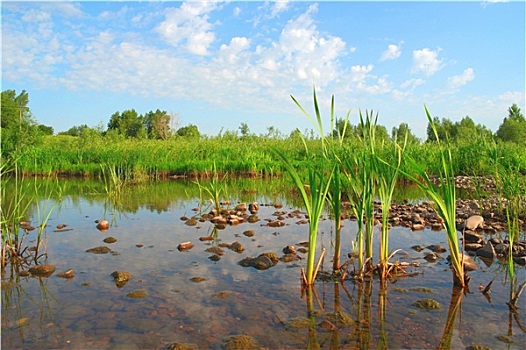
(19, 128)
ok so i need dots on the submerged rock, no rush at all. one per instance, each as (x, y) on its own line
(180, 346)
(109, 240)
(215, 250)
(261, 262)
(197, 279)
(487, 251)
(427, 304)
(237, 247)
(249, 233)
(99, 250)
(340, 319)
(42, 270)
(67, 274)
(121, 277)
(240, 342)
(191, 222)
(435, 248)
(137, 294)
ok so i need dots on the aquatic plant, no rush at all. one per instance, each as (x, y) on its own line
(314, 193)
(358, 170)
(215, 189)
(386, 177)
(18, 196)
(444, 197)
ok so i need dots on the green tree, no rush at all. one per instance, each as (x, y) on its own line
(18, 129)
(401, 132)
(157, 124)
(513, 127)
(467, 130)
(129, 123)
(273, 133)
(189, 131)
(244, 130)
(445, 129)
(75, 130)
(45, 130)
(342, 130)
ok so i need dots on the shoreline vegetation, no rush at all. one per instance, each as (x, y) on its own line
(135, 147)
(142, 160)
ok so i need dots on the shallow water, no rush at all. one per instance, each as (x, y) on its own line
(90, 311)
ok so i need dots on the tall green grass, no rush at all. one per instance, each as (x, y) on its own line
(313, 191)
(444, 198)
(157, 159)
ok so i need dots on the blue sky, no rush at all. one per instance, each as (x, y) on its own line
(219, 64)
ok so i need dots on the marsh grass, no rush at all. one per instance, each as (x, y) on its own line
(314, 192)
(358, 169)
(444, 197)
(386, 177)
(215, 189)
(19, 198)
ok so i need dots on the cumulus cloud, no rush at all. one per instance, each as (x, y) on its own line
(391, 53)
(189, 24)
(407, 89)
(278, 7)
(426, 61)
(457, 81)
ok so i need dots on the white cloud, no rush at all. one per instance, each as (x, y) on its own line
(407, 89)
(279, 6)
(189, 23)
(359, 73)
(426, 61)
(457, 81)
(392, 53)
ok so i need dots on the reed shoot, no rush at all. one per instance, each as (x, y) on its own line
(444, 198)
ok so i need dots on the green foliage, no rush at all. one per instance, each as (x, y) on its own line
(18, 129)
(464, 131)
(45, 130)
(403, 133)
(189, 131)
(443, 195)
(315, 191)
(157, 124)
(513, 128)
(129, 123)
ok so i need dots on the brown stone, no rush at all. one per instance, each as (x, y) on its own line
(185, 246)
(42, 270)
(103, 225)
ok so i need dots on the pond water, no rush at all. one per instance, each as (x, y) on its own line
(192, 299)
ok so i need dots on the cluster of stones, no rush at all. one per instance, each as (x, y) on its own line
(472, 183)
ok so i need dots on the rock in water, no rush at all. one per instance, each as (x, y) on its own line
(42, 270)
(487, 251)
(103, 225)
(469, 263)
(239, 342)
(121, 277)
(137, 294)
(427, 304)
(474, 222)
(67, 274)
(99, 250)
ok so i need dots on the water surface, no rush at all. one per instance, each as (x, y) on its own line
(90, 311)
